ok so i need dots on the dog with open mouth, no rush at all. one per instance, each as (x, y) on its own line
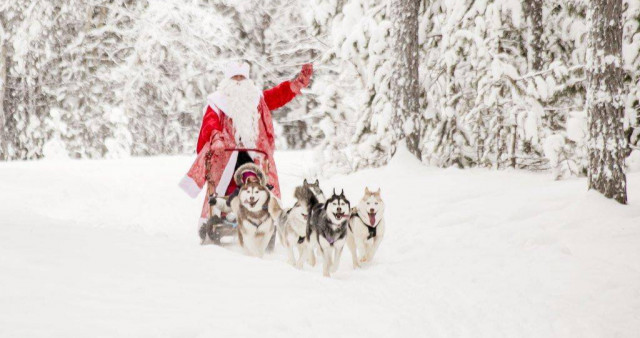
(292, 223)
(366, 227)
(327, 231)
(255, 207)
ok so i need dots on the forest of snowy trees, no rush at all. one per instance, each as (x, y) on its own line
(470, 83)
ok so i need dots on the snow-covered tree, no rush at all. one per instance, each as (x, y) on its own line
(533, 14)
(502, 83)
(605, 100)
(358, 132)
(631, 56)
(405, 89)
(177, 49)
(4, 62)
(278, 39)
(478, 107)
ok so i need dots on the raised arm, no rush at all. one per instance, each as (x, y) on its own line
(283, 93)
(279, 95)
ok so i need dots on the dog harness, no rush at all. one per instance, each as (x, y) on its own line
(335, 235)
(372, 228)
(258, 224)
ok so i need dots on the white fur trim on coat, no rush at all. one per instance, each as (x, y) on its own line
(189, 186)
(218, 102)
(227, 174)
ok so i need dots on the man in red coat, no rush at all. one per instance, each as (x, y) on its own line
(238, 116)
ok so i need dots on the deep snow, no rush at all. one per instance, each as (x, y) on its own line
(110, 248)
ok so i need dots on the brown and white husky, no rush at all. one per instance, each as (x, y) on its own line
(366, 227)
(256, 210)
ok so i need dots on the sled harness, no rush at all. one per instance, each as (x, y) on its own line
(372, 229)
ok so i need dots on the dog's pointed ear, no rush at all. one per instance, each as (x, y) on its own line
(367, 191)
(342, 193)
(378, 192)
(317, 182)
(334, 191)
(304, 183)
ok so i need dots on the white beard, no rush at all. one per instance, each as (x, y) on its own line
(242, 98)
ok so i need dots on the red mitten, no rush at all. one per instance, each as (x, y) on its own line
(303, 79)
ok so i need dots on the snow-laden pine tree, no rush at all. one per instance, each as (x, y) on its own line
(631, 55)
(278, 40)
(337, 86)
(85, 120)
(359, 64)
(533, 14)
(479, 106)
(405, 87)
(605, 99)
(177, 49)
(25, 25)
(58, 58)
(4, 63)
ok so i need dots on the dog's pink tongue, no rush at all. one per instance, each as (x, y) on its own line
(372, 219)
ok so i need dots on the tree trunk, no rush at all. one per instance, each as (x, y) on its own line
(4, 65)
(405, 89)
(605, 94)
(533, 12)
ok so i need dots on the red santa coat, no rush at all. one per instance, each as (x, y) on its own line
(217, 135)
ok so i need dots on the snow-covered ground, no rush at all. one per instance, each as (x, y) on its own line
(110, 248)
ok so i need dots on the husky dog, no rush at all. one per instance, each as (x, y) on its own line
(255, 208)
(366, 227)
(315, 189)
(292, 224)
(327, 230)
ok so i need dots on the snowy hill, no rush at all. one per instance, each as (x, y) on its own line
(109, 248)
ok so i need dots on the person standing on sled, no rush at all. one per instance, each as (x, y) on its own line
(238, 116)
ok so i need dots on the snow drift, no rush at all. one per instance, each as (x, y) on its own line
(110, 248)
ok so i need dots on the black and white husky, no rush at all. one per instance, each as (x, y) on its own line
(327, 231)
(292, 223)
(366, 227)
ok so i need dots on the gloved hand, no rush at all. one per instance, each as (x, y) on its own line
(303, 79)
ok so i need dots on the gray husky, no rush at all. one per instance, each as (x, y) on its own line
(327, 231)
(292, 223)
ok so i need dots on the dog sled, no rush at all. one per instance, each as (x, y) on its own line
(221, 227)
